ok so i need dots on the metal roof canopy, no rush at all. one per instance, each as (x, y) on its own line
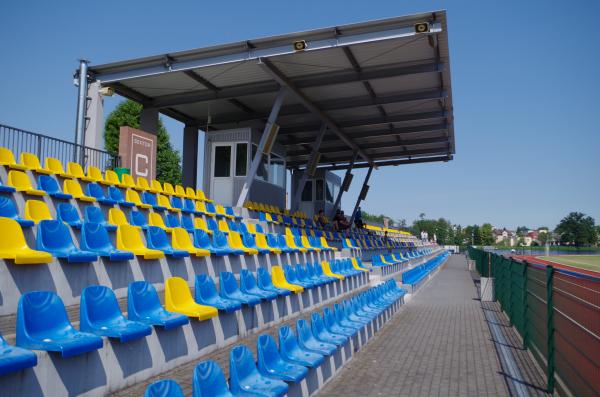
(382, 89)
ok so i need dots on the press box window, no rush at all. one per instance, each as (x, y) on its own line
(241, 159)
(222, 161)
(307, 192)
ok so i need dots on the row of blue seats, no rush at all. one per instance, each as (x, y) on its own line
(388, 259)
(276, 367)
(415, 275)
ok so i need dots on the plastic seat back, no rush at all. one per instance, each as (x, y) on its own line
(39, 314)
(72, 187)
(117, 217)
(205, 288)
(36, 211)
(111, 177)
(212, 225)
(142, 183)
(155, 219)
(48, 184)
(138, 218)
(241, 367)
(7, 157)
(176, 202)
(68, 214)
(149, 198)
(129, 238)
(14, 240)
(75, 169)
(95, 190)
(99, 304)
(157, 239)
(200, 223)
(95, 237)
(127, 180)
(95, 173)
(164, 388)
(116, 194)
(30, 161)
(163, 201)
(209, 380)
(54, 235)
(172, 220)
(54, 165)
(180, 191)
(264, 278)
(8, 209)
(168, 189)
(190, 192)
(228, 283)
(187, 223)
(19, 180)
(201, 239)
(155, 186)
(94, 214)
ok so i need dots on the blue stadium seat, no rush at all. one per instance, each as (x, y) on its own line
(332, 325)
(114, 193)
(201, 240)
(179, 203)
(50, 186)
(95, 190)
(290, 276)
(302, 276)
(95, 215)
(342, 318)
(229, 211)
(290, 350)
(68, 214)
(205, 293)
(212, 225)
(271, 364)
(248, 285)
(54, 237)
(231, 290)
(189, 207)
(322, 335)
(164, 388)
(8, 209)
(157, 239)
(221, 246)
(94, 237)
(99, 314)
(265, 282)
(284, 246)
(143, 305)
(13, 358)
(209, 381)
(211, 210)
(187, 222)
(172, 220)
(245, 378)
(137, 218)
(150, 198)
(6, 189)
(233, 226)
(250, 242)
(307, 340)
(42, 324)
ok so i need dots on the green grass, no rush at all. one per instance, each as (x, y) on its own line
(588, 262)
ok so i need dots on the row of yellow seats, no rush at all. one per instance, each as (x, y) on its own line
(30, 161)
(269, 208)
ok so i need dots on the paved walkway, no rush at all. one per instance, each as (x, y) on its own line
(439, 344)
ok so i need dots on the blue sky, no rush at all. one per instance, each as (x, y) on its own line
(524, 75)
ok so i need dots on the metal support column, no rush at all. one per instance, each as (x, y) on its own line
(190, 156)
(338, 199)
(313, 157)
(78, 152)
(359, 199)
(261, 146)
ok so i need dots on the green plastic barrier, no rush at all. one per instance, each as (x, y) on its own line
(120, 171)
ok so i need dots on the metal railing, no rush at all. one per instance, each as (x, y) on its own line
(43, 146)
(556, 312)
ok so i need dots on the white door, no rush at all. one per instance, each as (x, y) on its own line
(222, 173)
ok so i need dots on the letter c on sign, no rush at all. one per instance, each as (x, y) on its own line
(141, 165)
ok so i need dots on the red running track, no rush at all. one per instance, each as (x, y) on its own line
(533, 259)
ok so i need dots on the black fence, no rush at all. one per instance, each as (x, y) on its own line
(43, 146)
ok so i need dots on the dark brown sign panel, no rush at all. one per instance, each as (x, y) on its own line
(137, 149)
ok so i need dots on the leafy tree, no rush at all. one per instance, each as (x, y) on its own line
(476, 235)
(127, 113)
(543, 238)
(487, 234)
(578, 229)
(522, 230)
(521, 241)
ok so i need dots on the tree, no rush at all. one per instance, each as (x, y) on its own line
(578, 229)
(522, 231)
(487, 234)
(127, 113)
(476, 235)
(543, 238)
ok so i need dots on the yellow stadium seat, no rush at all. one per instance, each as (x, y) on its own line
(201, 196)
(142, 183)
(13, 245)
(279, 280)
(95, 174)
(221, 211)
(200, 223)
(155, 219)
(36, 211)
(164, 201)
(326, 245)
(134, 197)
(327, 271)
(112, 178)
(117, 217)
(289, 240)
(178, 299)
(181, 240)
(7, 158)
(235, 241)
(127, 181)
(130, 239)
(56, 167)
(223, 226)
(155, 186)
(190, 193)
(180, 191)
(357, 266)
(251, 227)
(21, 182)
(307, 244)
(261, 242)
(76, 171)
(74, 188)
(32, 162)
(168, 189)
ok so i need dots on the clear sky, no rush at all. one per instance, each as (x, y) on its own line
(524, 75)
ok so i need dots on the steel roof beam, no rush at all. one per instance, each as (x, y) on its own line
(324, 79)
(388, 163)
(344, 158)
(285, 82)
(235, 102)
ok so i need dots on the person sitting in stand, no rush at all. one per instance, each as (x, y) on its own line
(340, 222)
(322, 220)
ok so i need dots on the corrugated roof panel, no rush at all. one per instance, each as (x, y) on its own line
(172, 83)
(393, 51)
(234, 74)
(312, 62)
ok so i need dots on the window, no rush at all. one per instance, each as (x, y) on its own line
(307, 192)
(277, 171)
(329, 196)
(319, 190)
(262, 171)
(241, 159)
(222, 161)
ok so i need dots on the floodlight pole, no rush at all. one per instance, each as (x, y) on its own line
(78, 152)
(261, 146)
(338, 199)
(359, 199)
(315, 152)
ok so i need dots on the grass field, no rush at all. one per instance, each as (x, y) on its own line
(588, 262)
